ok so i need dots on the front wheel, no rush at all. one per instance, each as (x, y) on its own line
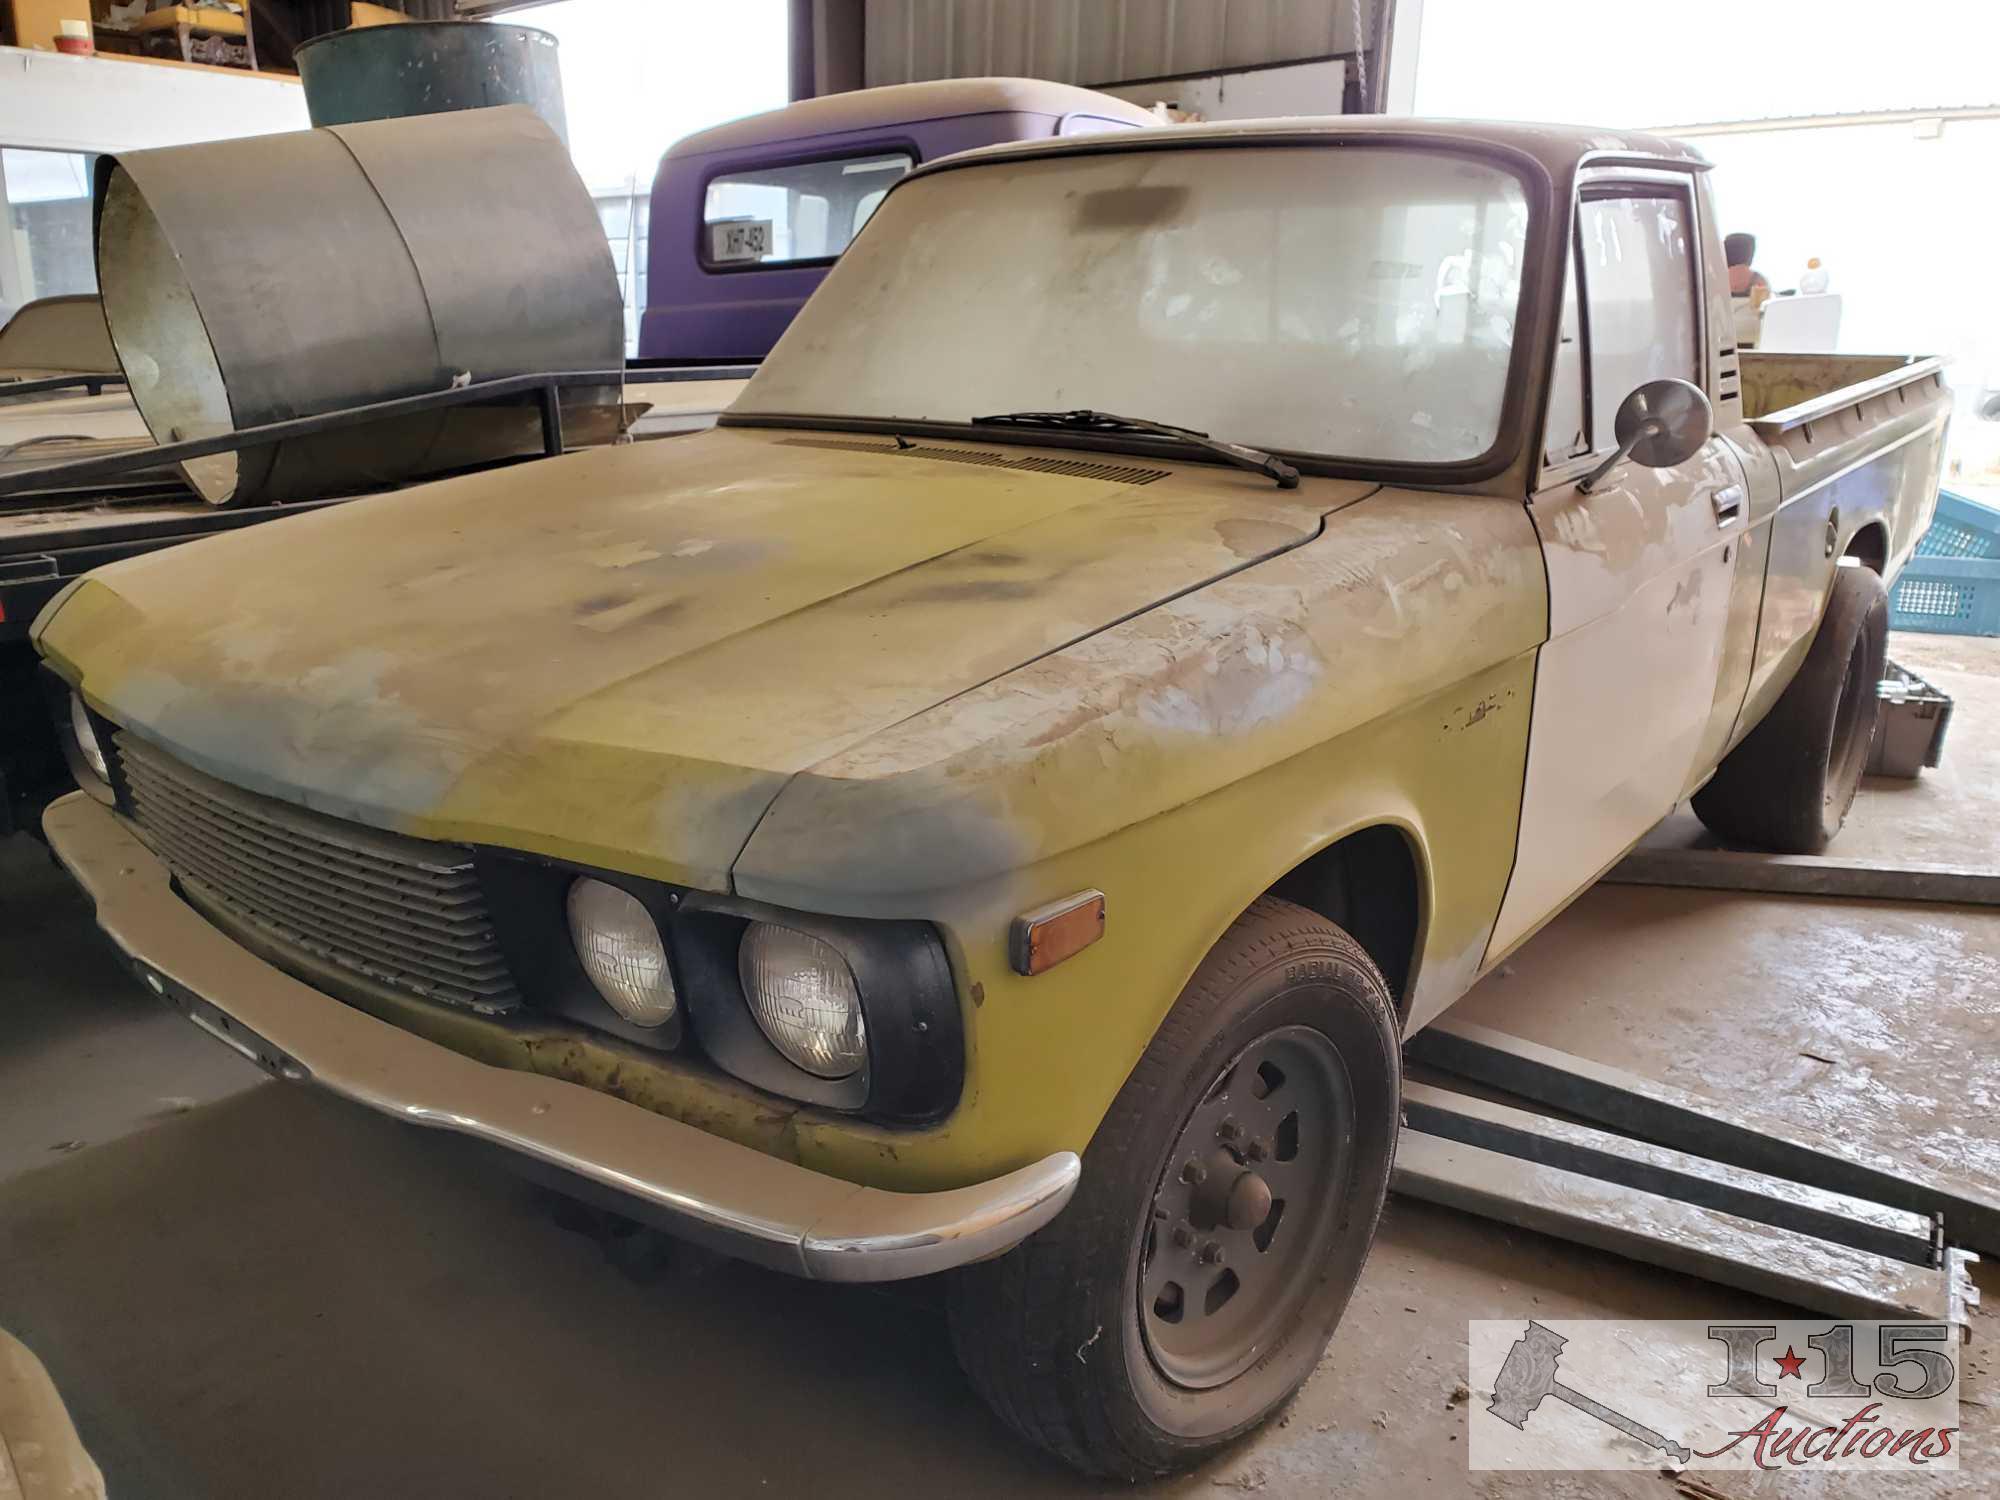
(1228, 1202)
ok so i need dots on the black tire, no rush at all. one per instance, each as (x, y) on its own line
(1053, 1335)
(1787, 787)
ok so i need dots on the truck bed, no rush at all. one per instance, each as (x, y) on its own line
(47, 429)
(1823, 416)
(1796, 387)
(1855, 443)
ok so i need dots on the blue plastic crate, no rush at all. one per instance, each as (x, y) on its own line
(1952, 585)
(1961, 528)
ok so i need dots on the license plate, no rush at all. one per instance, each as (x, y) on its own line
(740, 239)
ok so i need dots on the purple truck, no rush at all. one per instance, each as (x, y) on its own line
(747, 217)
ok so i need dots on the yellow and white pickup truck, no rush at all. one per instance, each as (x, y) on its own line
(959, 815)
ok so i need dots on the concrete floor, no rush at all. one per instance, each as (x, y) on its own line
(248, 1289)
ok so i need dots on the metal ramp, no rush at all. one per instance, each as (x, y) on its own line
(1678, 1180)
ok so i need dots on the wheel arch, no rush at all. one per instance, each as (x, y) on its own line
(1372, 882)
(1870, 545)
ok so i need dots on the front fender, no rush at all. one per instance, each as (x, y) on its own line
(1181, 763)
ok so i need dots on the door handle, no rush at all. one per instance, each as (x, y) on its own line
(1728, 502)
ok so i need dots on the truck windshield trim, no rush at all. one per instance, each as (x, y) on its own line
(819, 376)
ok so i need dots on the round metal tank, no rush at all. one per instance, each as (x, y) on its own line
(429, 67)
(257, 280)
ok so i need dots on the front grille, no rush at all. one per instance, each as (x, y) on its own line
(397, 911)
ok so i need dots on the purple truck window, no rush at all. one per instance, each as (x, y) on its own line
(794, 211)
(701, 311)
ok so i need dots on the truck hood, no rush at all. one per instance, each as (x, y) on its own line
(620, 657)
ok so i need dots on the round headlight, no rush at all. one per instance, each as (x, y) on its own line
(803, 996)
(86, 738)
(619, 947)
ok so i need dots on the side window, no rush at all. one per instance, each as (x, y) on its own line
(45, 246)
(864, 210)
(1093, 125)
(1637, 258)
(1565, 436)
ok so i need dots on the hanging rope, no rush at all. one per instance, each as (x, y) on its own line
(1361, 56)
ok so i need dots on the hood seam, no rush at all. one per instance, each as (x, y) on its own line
(1263, 557)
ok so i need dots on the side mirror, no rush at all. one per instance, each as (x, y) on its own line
(1663, 423)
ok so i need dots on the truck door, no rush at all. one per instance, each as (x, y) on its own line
(1640, 570)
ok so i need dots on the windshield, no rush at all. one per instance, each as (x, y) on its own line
(1351, 302)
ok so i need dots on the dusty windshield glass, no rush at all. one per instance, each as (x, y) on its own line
(1354, 302)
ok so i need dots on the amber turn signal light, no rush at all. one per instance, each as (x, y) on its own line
(1040, 939)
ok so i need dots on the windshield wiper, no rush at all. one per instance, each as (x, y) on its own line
(1085, 419)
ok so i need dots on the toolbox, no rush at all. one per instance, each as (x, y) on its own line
(1909, 735)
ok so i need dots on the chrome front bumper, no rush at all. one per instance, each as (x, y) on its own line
(710, 1190)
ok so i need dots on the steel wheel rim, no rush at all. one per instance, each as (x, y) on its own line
(1216, 1291)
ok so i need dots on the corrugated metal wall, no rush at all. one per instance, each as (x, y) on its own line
(1100, 41)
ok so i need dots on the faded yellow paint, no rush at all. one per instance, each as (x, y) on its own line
(892, 685)
(1181, 763)
(496, 658)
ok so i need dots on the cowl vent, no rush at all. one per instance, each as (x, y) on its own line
(1068, 468)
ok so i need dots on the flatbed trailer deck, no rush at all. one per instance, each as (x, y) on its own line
(49, 538)
(67, 509)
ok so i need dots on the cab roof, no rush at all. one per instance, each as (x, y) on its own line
(908, 104)
(1559, 149)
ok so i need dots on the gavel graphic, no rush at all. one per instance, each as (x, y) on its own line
(1529, 1375)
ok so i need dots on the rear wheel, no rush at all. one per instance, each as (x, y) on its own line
(1227, 1205)
(1788, 786)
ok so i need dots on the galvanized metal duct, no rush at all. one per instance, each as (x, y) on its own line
(281, 276)
(428, 67)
